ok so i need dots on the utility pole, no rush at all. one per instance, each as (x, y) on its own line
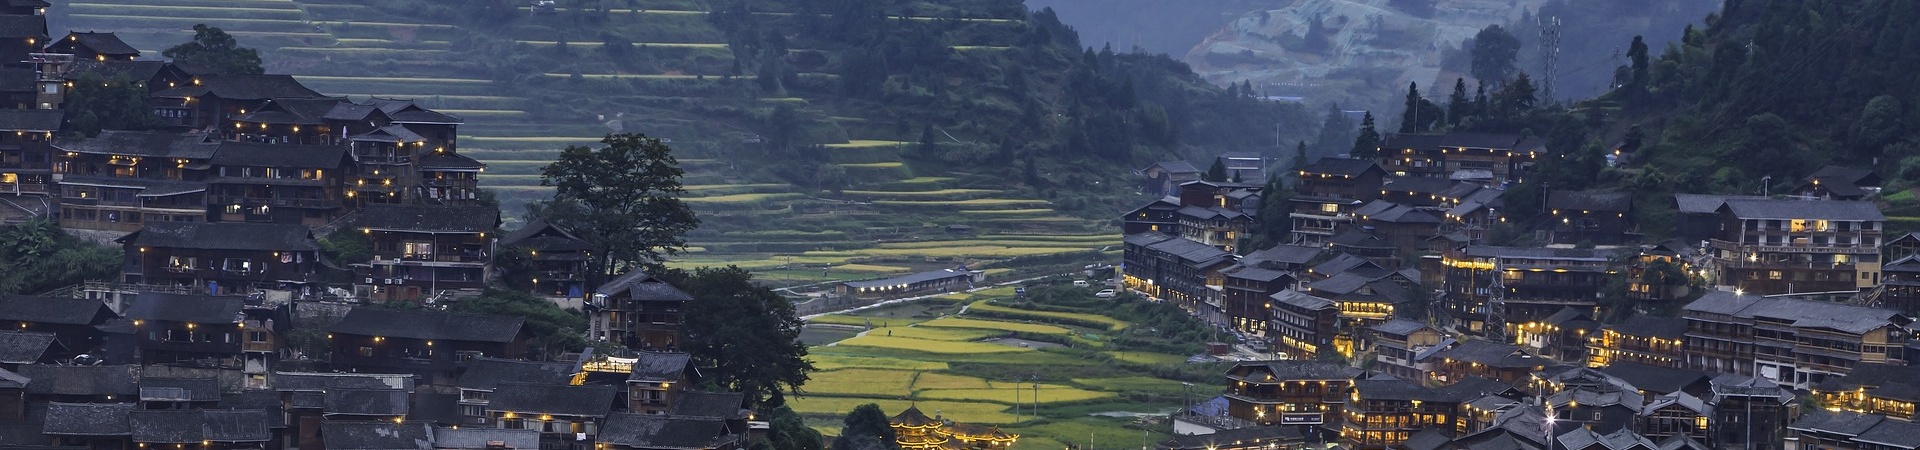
(1549, 52)
(1495, 325)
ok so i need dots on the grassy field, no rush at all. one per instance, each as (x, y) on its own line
(937, 364)
(955, 322)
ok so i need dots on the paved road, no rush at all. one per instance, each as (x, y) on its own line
(908, 299)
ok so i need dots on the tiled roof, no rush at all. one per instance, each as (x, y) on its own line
(448, 161)
(1175, 167)
(11, 380)
(167, 426)
(382, 435)
(1301, 300)
(1285, 254)
(659, 366)
(1387, 387)
(82, 380)
(41, 120)
(1835, 422)
(225, 236)
(430, 325)
(136, 71)
(1706, 203)
(1490, 353)
(179, 389)
(308, 381)
(539, 235)
(1398, 326)
(1805, 209)
(152, 144)
(203, 309)
(477, 438)
(1256, 274)
(148, 187)
(488, 373)
(366, 402)
(103, 43)
(1303, 370)
(252, 154)
(586, 401)
(1341, 166)
(406, 111)
(1892, 433)
(244, 87)
(425, 218)
(293, 111)
(1480, 140)
(1248, 436)
(244, 425)
(664, 432)
(723, 405)
(1803, 313)
(389, 133)
(638, 285)
(88, 419)
(24, 347)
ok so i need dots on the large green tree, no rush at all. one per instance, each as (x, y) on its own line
(554, 330)
(623, 199)
(37, 256)
(786, 430)
(744, 336)
(1367, 145)
(99, 103)
(866, 428)
(1494, 50)
(213, 49)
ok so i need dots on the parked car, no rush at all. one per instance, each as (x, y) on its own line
(1104, 293)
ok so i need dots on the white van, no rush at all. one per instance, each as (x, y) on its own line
(1079, 283)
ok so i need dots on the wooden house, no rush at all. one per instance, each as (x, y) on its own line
(120, 180)
(559, 258)
(422, 251)
(188, 329)
(93, 46)
(638, 311)
(222, 258)
(430, 343)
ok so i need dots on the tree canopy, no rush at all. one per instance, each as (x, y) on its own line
(99, 103)
(866, 428)
(744, 336)
(1494, 50)
(623, 199)
(37, 256)
(215, 50)
(554, 330)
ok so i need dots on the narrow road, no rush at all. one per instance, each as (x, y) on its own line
(908, 299)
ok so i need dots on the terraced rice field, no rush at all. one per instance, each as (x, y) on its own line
(940, 364)
(360, 49)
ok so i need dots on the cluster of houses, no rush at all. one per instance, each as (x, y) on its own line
(217, 196)
(253, 372)
(1471, 345)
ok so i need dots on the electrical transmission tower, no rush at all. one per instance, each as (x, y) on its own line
(1549, 53)
(1495, 325)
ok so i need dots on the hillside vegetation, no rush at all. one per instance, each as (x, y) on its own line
(1764, 94)
(810, 130)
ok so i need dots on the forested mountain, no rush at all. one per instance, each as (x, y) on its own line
(1764, 94)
